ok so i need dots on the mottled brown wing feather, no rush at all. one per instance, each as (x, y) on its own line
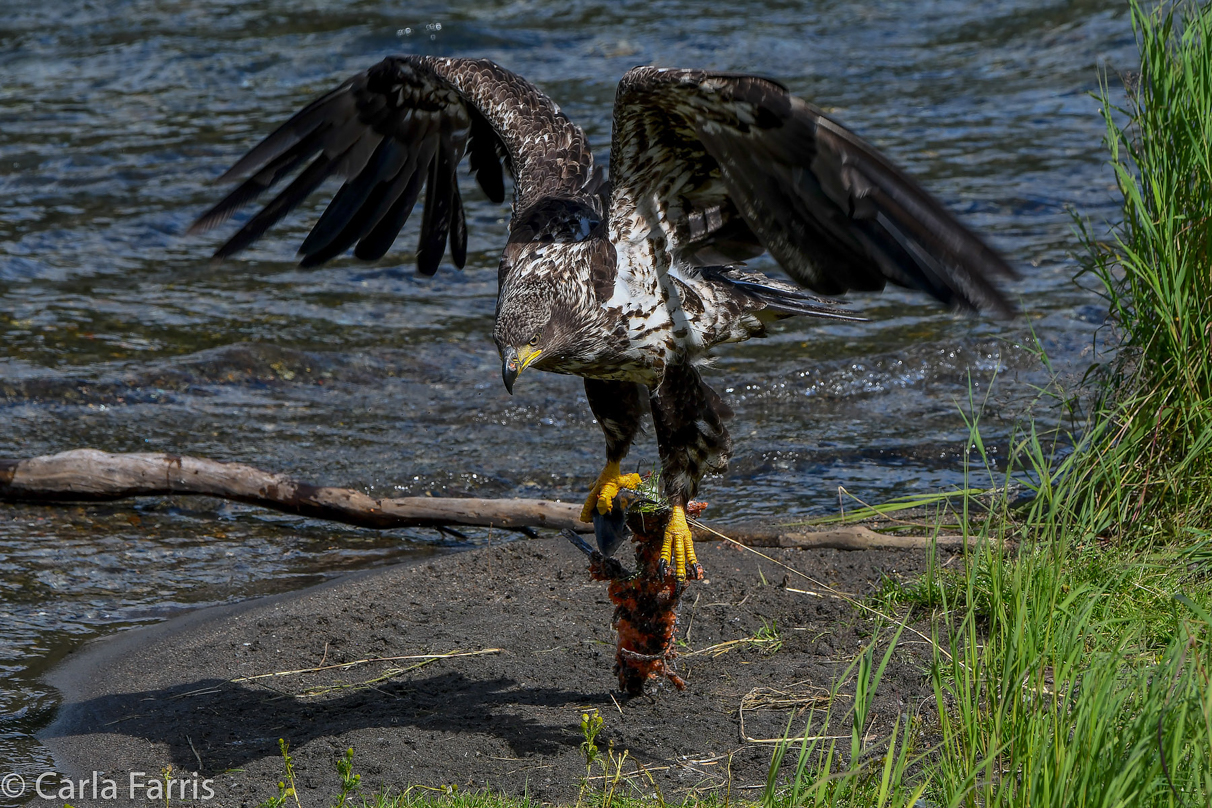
(402, 125)
(723, 164)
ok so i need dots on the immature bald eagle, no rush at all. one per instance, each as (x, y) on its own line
(628, 283)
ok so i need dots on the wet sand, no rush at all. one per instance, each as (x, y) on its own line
(509, 720)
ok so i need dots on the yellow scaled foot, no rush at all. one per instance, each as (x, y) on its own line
(678, 548)
(606, 489)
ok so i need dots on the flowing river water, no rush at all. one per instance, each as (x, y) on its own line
(118, 332)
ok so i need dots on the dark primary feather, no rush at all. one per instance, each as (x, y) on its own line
(776, 296)
(483, 149)
(357, 206)
(256, 185)
(403, 125)
(283, 203)
(435, 222)
(458, 229)
(739, 164)
(375, 244)
(318, 115)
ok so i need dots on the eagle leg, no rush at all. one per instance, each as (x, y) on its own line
(618, 408)
(609, 483)
(689, 418)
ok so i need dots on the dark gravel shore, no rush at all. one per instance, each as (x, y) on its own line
(146, 699)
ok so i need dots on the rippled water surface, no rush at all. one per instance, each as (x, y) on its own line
(117, 332)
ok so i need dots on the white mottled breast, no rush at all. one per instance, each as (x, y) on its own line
(641, 294)
(670, 312)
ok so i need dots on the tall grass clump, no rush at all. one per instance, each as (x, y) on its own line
(1145, 462)
(1078, 670)
(1051, 691)
(1079, 673)
(872, 774)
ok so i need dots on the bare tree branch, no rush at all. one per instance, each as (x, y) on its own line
(95, 476)
(89, 475)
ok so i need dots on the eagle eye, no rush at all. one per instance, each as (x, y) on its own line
(534, 340)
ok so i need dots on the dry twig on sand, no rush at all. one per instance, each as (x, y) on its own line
(769, 698)
(420, 660)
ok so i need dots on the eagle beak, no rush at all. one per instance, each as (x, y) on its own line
(514, 361)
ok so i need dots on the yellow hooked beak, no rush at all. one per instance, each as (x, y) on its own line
(515, 361)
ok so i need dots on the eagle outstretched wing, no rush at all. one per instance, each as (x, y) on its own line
(709, 167)
(404, 124)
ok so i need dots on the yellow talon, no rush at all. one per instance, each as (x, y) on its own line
(678, 548)
(607, 487)
(667, 545)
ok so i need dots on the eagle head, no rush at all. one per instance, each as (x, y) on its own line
(537, 325)
(547, 312)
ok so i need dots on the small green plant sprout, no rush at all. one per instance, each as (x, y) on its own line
(289, 763)
(278, 801)
(612, 774)
(767, 638)
(350, 782)
(286, 788)
(167, 775)
(591, 725)
(611, 764)
(865, 684)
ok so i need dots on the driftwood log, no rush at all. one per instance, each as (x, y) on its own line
(89, 475)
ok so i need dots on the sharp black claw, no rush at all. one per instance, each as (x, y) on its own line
(662, 569)
(578, 542)
(608, 567)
